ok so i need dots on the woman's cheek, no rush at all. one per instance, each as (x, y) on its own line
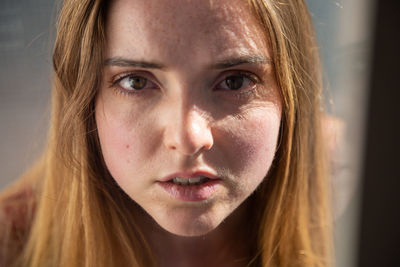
(120, 140)
(265, 134)
(253, 141)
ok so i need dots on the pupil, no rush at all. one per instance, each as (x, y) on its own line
(234, 82)
(137, 83)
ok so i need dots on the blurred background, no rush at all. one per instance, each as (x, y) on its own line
(346, 32)
(26, 29)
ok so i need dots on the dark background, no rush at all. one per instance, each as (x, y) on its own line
(380, 215)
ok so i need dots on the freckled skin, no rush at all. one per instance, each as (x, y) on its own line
(184, 124)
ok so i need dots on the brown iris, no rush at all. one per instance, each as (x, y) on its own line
(234, 82)
(137, 82)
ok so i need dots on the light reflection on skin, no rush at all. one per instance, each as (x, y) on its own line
(185, 120)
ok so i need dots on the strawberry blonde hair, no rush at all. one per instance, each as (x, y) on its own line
(82, 218)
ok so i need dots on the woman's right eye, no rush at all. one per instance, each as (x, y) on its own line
(135, 83)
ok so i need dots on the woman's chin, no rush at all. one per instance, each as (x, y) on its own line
(189, 231)
(188, 227)
(189, 222)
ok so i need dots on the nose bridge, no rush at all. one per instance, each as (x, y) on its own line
(188, 130)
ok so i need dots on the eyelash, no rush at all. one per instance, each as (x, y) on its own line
(254, 79)
(117, 79)
(241, 93)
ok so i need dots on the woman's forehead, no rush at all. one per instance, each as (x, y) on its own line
(201, 29)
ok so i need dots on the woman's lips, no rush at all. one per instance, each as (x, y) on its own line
(198, 192)
(206, 174)
(190, 192)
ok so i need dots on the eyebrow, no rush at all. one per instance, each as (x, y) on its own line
(122, 62)
(248, 59)
(224, 64)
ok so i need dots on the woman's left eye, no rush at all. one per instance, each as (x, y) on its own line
(236, 82)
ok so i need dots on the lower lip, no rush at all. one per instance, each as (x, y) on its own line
(191, 192)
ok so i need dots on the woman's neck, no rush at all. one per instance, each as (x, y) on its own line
(228, 245)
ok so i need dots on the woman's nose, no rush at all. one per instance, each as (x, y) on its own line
(188, 132)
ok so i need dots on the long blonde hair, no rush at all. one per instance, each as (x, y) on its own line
(82, 217)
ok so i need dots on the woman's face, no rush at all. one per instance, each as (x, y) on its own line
(188, 112)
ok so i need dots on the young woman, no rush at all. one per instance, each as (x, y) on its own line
(183, 133)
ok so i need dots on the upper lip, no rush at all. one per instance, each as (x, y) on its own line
(189, 175)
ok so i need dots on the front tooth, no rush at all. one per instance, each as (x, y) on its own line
(180, 181)
(195, 180)
(187, 181)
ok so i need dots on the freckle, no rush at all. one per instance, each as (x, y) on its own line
(127, 146)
